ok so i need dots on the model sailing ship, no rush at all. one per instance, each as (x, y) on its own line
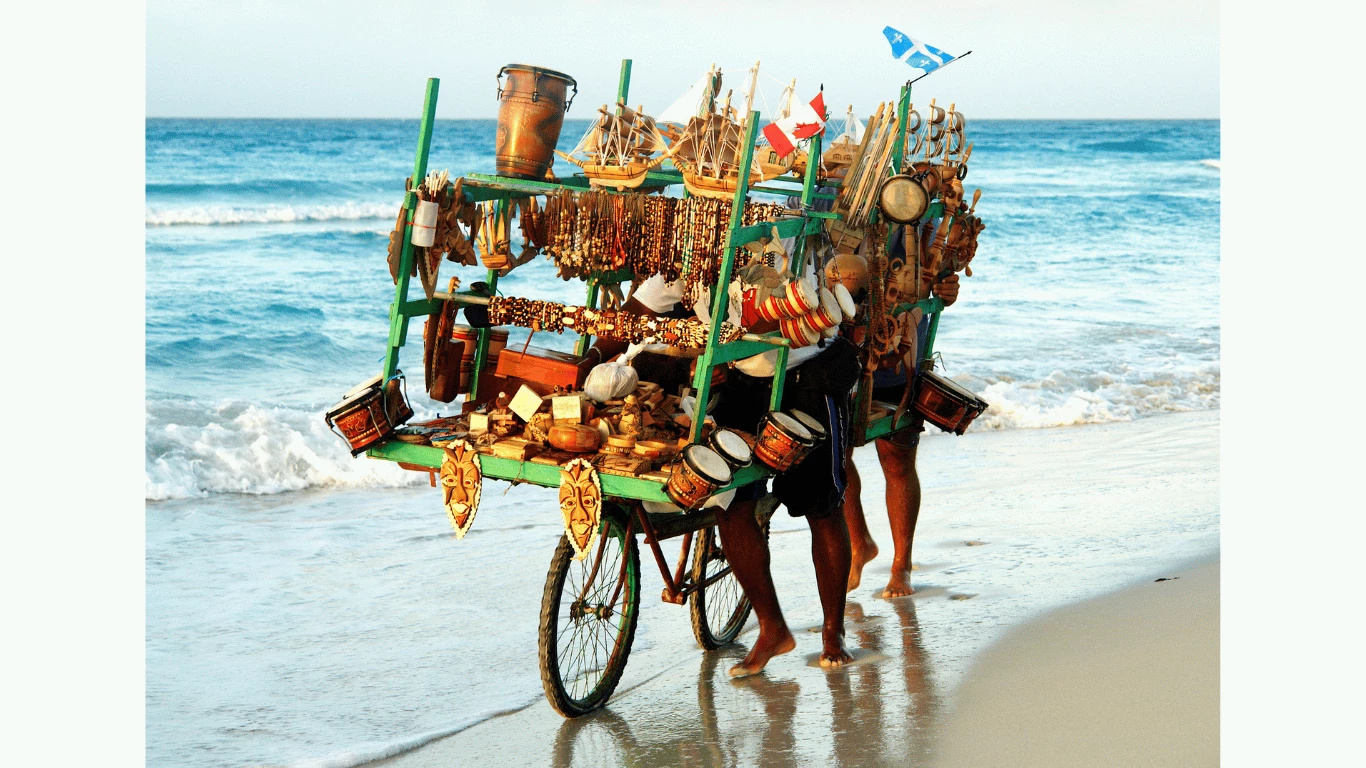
(707, 151)
(617, 149)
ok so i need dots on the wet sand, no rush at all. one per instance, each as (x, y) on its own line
(1014, 525)
(1131, 678)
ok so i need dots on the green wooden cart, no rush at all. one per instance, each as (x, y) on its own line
(590, 607)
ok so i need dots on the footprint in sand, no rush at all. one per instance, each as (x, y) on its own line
(975, 543)
(962, 596)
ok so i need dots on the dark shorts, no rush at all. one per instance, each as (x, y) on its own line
(814, 487)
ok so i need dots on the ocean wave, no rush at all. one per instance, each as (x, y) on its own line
(1068, 399)
(270, 214)
(195, 450)
(1212, 163)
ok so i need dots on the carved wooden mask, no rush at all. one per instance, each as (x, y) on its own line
(461, 485)
(581, 505)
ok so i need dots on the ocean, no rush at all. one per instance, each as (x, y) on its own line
(303, 607)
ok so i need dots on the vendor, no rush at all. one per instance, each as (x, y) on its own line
(819, 380)
(896, 452)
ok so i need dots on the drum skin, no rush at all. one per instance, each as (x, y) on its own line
(903, 200)
(531, 107)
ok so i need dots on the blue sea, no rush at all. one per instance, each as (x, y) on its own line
(1095, 298)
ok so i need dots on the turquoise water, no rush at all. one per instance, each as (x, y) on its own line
(295, 612)
(1095, 295)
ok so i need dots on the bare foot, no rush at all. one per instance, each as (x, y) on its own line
(764, 649)
(862, 555)
(899, 585)
(833, 654)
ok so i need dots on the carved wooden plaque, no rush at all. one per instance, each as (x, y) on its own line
(461, 485)
(581, 505)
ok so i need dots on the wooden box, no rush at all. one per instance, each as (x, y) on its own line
(546, 366)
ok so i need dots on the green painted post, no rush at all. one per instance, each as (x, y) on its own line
(721, 291)
(624, 82)
(398, 322)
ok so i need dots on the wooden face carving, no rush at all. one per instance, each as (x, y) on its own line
(581, 505)
(461, 485)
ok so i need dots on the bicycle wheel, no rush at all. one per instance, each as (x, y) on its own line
(720, 609)
(588, 620)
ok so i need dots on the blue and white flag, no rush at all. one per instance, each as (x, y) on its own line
(925, 58)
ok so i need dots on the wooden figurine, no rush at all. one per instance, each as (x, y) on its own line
(631, 422)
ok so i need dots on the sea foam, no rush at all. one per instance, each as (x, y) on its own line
(270, 214)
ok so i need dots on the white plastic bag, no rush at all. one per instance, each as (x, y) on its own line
(610, 381)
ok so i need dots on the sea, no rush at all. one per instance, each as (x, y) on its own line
(308, 608)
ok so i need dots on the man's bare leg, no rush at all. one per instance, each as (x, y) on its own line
(747, 552)
(830, 554)
(862, 547)
(903, 509)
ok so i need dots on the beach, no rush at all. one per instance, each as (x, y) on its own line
(1012, 651)
(307, 608)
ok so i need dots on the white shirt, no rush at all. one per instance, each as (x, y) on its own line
(659, 296)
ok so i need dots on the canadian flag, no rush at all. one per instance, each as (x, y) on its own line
(806, 121)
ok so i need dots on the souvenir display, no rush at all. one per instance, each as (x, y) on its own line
(618, 438)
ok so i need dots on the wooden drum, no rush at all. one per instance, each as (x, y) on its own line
(696, 475)
(946, 403)
(368, 414)
(531, 107)
(818, 432)
(783, 441)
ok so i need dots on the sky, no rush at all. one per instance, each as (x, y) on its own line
(344, 58)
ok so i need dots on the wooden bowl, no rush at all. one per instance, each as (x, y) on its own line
(575, 438)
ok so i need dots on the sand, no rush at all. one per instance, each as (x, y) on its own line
(1015, 525)
(1131, 678)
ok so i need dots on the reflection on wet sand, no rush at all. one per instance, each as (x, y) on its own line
(880, 711)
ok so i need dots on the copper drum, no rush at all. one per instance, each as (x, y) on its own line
(783, 441)
(696, 475)
(362, 417)
(731, 447)
(531, 107)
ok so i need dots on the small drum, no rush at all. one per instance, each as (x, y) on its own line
(731, 447)
(797, 299)
(846, 300)
(946, 403)
(696, 475)
(827, 315)
(797, 332)
(903, 200)
(369, 414)
(818, 432)
(783, 441)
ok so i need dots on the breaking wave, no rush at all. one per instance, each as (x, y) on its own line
(272, 214)
(236, 447)
(1212, 163)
